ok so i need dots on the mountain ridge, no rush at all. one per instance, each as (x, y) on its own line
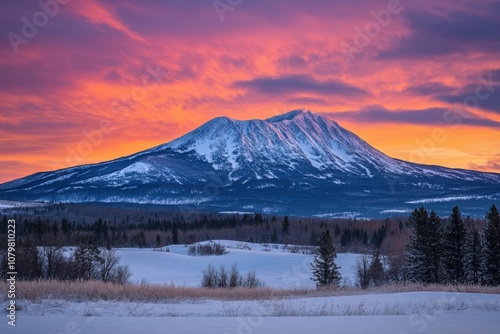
(253, 164)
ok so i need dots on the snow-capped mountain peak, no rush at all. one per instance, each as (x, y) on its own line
(289, 115)
(297, 138)
(276, 164)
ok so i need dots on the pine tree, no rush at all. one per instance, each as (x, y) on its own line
(376, 271)
(325, 271)
(491, 254)
(454, 248)
(424, 249)
(415, 255)
(472, 258)
(86, 258)
(274, 236)
(125, 237)
(434, 236)
(175, 234)
(285, 226)
(65, 226)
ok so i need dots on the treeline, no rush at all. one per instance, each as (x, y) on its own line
(450, 251)
(153, 229)
(54, 262)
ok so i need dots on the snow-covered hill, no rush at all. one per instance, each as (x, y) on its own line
(274, 264)
(296, 163)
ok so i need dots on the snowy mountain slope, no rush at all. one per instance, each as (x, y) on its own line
(295, 163)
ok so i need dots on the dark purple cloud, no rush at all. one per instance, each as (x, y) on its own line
(429, 89)
(199, 20)
(65, 28)
(292, 84)
(430, 116)
(491, 103)
(448, 33)
(483, 93)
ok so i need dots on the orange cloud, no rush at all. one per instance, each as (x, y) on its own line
(88, 65)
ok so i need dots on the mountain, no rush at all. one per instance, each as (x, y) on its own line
(298, 163)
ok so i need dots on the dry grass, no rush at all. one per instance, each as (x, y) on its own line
(405, 287)
(96, 290)
(412, 287)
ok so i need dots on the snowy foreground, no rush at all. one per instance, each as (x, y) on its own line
(410, 312)
(416, 312)
(468, 323)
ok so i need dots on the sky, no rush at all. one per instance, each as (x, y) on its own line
(89, 81)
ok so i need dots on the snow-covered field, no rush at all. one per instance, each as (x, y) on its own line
(417, 312)
(273, 263)
(403, 303)
(409, 312)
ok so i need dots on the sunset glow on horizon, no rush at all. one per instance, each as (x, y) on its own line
(85, 82)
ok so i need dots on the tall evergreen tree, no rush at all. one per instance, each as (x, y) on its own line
(415, 257)
(325, 271)
(454, 248)
(472, 258)
(424, 249)
(491, 254)
(434, 246)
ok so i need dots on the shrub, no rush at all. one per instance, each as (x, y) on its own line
(243, 246)
(213, 278)
(207, 249)
(299, 249)
(234, 277)
(121, 275)
(251, 280)
(222, 278)
(209, 277)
